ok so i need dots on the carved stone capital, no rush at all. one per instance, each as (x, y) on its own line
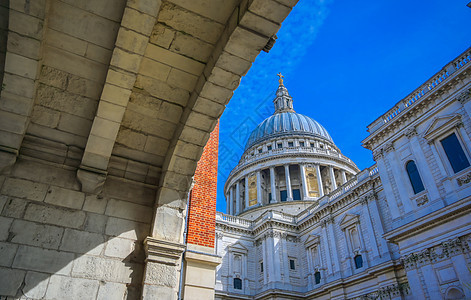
(92, 180)
(464, 179)
(378, 154)
(163, 251)
(464, 97)
(388, 147)
(410, 132)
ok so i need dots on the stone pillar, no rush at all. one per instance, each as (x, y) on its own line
(374, 211)
(163, 257)
(304, 182)
(415, 282)
(288, 184)
(343, 175)
(332, 178)
(237, 208)
(319, 180)
(349, 257)
(272, 185)
(200, 271)
(284, 259)
(277, 253)
(264, 255)
(431, 281)
(398, 177)
(259, 188)
(386, 184)
(335, 253)
(246, 192)
(369, 226)
(231, 201)
(327, 248)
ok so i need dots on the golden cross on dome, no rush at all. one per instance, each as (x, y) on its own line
(281, 78)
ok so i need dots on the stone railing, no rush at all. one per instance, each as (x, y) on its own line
(268, 215)
(233, 220)
(431, 84)
(288, 151)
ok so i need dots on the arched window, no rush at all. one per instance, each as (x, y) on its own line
(358, 261)
(237, 283)
(455, 153)
(414, 177)
(317, 277)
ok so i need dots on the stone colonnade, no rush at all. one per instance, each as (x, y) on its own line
(325, 179)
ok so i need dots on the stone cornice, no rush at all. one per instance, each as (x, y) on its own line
(429, 221)
(163, 251)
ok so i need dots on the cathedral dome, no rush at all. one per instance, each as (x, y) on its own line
(286, 123)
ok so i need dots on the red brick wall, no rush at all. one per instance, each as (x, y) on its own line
(202, 211)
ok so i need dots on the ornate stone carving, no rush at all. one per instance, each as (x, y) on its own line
(464, 179)
(378, 154)
(464, 96)
(163, 251)
(386, 292)
(410, 132)
(421, 200)
(388, 147)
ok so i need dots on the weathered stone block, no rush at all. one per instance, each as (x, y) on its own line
(23, 45)
(21, 188)
(125, 60)
(61, 287)
(194, 136)
(84, 87)
(174, 59)
(43, 260)
(233, 64)
(13, 122)
(66, 42)
(16, 104)
(20, 65)
(119, 189)
(98, 268)
(259, 24)
(36, 8)
(18, 85)
(224, 78)
(131, 139)
(98, 54)
(74, 124)
(131, 41)
(182, 79)
(218, 11)
(111, 290)
(190, 23)
(191, 47)
(115, 94)
(168, 224)
(11, 281)
(163, 90)
(45, 116)
(188, 150)
(36, 285)
(95, 204)
(127, 229)
(95, 223)
(150, 7)
(105, 128)
(82, 242)
(14, 208)
(110, 111)
(99, 145)
(109, 9)
(155, 292)
(162, 35)
(55, 216)
(137, 21)
(129, 211)
(120, 248)
(65, 197)
(156, 145)
(4, 227)
(269, 9)
(154, 69)
(33, 234)
(120, 78)
(216, 93)
(53, 77)
(201, 121)
(8, 253)
(149, 125)
(25, 25)
(161, 274)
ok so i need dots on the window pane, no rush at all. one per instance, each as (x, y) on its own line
(283, 195)
(455, 153)
(317, 277)
(296, 194)
(290, 144)
(261, 267)
(414, 177)
(291, 264)
(237, 283)
(301, 144)
(358, 261)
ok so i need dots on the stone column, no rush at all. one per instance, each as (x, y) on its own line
(398, 177)
(288, 184)
(284, 258)
(374, 211)
(327, 248)
(335, 254)
(369, 226)
(259, 188)
(343, 175)
(459, 262)
(332, 178)
(237, 208)
(304, 182)
(414, 281)
(386, 184)
(319, 180)
(272, 185)
(264, 255)
(246, 192)
(231, 201)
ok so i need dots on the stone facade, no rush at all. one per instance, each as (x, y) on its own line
(397, 230)
(105, 109)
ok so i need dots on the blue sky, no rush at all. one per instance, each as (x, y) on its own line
(345, 63)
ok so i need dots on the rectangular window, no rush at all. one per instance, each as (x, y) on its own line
(279, 145)
(283, 195)
(292, 265)
(269, 147)
(455, 153)
(269, 197)
(301, 144)
(259, 150)
(261, 267)
(290, 144)
(312, 145)
(296, 194)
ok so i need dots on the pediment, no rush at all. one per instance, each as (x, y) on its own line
(348, 220)
(238, 247)
(440, 125)
(312, 239)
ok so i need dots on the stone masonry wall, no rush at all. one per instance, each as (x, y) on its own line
(59, 243)
(202, 212)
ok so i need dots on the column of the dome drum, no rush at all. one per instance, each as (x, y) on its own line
(246, 190)
(272, 185)
(344, 176)
(259, 188)
(231, 201)
(319, 180)
(289, 197)
(332, 178)
(237, 210)
(304, 182)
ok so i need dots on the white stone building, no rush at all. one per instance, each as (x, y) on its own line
(304, 223)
